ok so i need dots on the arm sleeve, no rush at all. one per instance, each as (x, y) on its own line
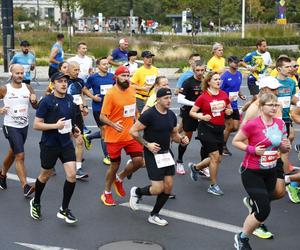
(248, 58)
(247, 129)
(145, 118)
(42, 109)
(198, 102)
(180, 81)
(210, 64)
(107, 105)
(89, 82)
(135, 78)
(182, 100)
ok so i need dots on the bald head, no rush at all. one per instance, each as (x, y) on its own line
(74, 69)
(17, 72)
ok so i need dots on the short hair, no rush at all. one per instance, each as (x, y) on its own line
(193, 55)
(80, 43)
(280, 60)
(60, 36)
(61, 64)
(132, 53)
(267, 97)
(100, 59)
(260, 41)
(199, 63)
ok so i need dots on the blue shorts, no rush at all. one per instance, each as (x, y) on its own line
(16, 137)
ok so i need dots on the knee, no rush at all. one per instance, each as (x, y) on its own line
(45, 176)
(20, 157)
(71, 176)
(168, 188)
(279, 192)
(157, 189)
(263, 211)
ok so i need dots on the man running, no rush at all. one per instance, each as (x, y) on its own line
(56, 54)
(16, 96)
(119, 55)
(159, 125)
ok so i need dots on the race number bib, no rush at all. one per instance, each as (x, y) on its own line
(268, 159)
(233, 96)
(105, 88)
(67, 128)
(164, 160)
(77, 99)
(217, 107)
(150, 80)
(129, 110)
(285, 101)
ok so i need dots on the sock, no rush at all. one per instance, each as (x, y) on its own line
(104, 149)
(106, 192)
(93, 136)
(118, 178)
(143, 191)
(160, 202)
(294, 184)
(287, 179)
(244, 235)
(181, 151)
(39, 187)
(68, 192)
(78, 165)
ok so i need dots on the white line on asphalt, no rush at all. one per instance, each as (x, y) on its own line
(191, 218)
(42, 247)
(16, 178)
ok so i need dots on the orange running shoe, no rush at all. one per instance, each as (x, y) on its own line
(119, 188)
(108, 199)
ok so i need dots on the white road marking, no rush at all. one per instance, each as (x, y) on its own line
(42, 247)
(16, 178)
(191, 218)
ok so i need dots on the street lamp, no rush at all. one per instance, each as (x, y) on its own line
(38, 12)
(243, 18)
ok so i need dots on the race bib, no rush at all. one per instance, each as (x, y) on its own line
(105, 88)
(233, 96)
(269, 159)
(77, 99)
(285, 101)
(164, 160)
(67, 128)
(217, 107)
(150, 80)
(129, 110)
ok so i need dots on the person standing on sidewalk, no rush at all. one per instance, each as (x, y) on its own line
(56, 54)
(16, 96)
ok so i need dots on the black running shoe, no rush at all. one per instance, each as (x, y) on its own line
(241, 244)
(226, 151)
(172, 196)
(35, 210)
(3, 181)
(66, 215)
(28, 190)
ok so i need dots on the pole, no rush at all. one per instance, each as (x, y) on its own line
(243, 18)
(38, 12)
(219, 11)
(131, 16)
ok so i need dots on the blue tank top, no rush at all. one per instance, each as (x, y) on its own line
(59, 56)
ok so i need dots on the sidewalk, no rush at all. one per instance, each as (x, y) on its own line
(42, 73)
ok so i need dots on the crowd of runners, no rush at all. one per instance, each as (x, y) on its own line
(131, 107)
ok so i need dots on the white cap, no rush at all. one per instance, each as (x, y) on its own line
(269, 82)
(123, 40)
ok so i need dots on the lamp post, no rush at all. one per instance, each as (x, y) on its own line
(243, 18)
(38, 12)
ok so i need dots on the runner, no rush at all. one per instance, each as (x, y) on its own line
(27, 59)
(118, 113)
(191, 90)
(16, 96)
(56, 55)
(132, 64)
(100, 83)
(213, 104)
(143, 79)
(55, 118)
(260, 138)
(159, 125)
(217, 62)
(231, 84)
(119, 55)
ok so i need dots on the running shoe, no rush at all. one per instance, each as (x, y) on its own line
(194, 173)
(119, 188)
(108, 199)
(106, 160)
(28, 190)
(155, 219)
(263, 232)
(215, 189)
(53, 171)
(87, 143)
(204, 172)
(80, 174)
(180, 168)
(86, 130)
(226, 151)
(35, 210)
(241, 243)
(293, 193)
(172, 196)
(3, 181)
(248, 203)
(66, 215)
(297, 149)
(134, 199)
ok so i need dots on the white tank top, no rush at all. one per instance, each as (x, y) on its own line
(17, 101)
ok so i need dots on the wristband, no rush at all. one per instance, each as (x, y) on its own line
(250, 149)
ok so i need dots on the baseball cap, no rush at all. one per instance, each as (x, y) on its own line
(123, 40)
(147, 53)
(121, 69)
(269, 82)
(163, 92)
(24, 43)
(234, 59)
(58, 75)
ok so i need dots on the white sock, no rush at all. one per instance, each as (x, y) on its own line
(118, 178)
(106, 192)
(287, 179)
(78, 165)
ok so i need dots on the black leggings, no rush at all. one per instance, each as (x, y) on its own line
(260, 185)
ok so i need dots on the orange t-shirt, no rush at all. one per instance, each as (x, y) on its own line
(119, 105)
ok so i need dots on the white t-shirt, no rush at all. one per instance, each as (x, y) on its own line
(132, 67)
(266, 57)
(85, 63)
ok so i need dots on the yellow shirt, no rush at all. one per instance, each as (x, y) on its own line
(151, 100)
(216, 64)
(298, 62)
(143, 76)
(274, 72)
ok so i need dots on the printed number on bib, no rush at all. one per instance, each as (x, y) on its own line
(217, 107)
(105, 88)
(285, 101)
(67, 128)
(150, 80)
(269, 159)
(129, 110)
(77, 99)
(164, 160)
(233, 96)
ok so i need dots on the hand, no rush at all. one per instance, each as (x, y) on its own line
(228, 111)
(97, 98)
(33, 98)
(117, 126)
(243, 97)
(147, 87)
(232, 98)
(153, 147)
(4, 110)
(260, 150)
(285, 145)
(85, 111)
(252, 69)
(184, 141)
(205, 118)
(76, 132)
(60, 123)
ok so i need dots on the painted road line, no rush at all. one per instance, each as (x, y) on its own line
(42, 247)
(191, 218)
(16, 178)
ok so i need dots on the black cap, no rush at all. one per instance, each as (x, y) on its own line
(233, 59)
(147, 53)
(132, 53)
(24, 43)
(58, 75)
(163, 92)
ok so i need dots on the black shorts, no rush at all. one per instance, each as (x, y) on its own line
(279, 169)
(235, 115)
(26, 81)
(211, 137)
(288, 124)
(49, 155)
(51, 71)
(96, 115)
(189, 124)
(16, 138)
(155, 173)
(251, 82)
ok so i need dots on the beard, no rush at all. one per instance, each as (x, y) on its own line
(25, 52)
(124, 85)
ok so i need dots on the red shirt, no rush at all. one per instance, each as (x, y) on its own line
(213, 105)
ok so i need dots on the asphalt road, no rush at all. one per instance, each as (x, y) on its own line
(194, 216)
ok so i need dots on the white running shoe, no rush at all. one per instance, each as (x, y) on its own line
(180, 168)
(155, 219)
(134, 199)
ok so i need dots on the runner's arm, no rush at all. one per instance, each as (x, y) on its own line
(33, 99)
(39, 124)
(136, 133)
(53, 55)
(175, 136)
